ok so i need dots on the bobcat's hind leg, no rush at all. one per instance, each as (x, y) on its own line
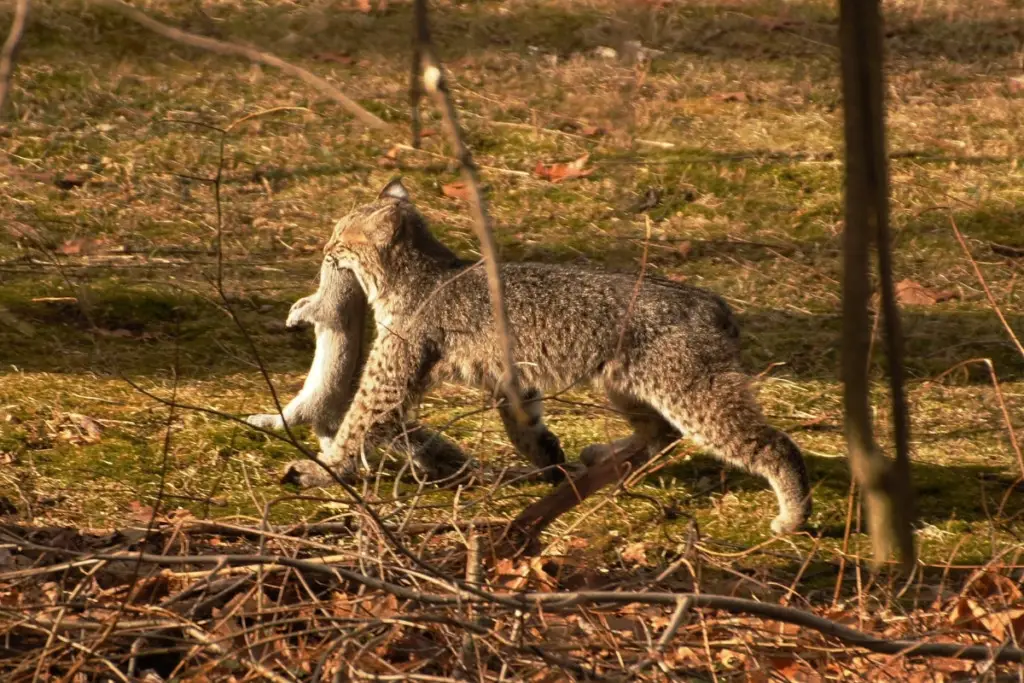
(534, 440)
(436, 458)
(650, 431)
(720, 412)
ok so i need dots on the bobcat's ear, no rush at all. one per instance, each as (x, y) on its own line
(395, 190)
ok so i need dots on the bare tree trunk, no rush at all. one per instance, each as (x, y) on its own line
(885, 484)
(9, 52)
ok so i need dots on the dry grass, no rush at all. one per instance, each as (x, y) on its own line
(744, 106)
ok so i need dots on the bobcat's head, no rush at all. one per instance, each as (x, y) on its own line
(386, 242)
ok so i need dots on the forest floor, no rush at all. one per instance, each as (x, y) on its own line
(726, 144)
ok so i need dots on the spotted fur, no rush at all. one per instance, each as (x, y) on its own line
(667, 357)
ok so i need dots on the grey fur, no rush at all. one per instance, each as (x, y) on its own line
(337, 312)
(668, 360)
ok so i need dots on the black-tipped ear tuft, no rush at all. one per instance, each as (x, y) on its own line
(395, 190)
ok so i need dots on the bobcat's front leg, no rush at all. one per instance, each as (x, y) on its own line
(389, 383)
(533, 439)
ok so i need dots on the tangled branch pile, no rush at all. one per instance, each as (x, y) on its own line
(196, 600)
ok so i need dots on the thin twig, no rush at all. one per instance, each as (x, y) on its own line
(435, 84)
(984, 285)
(532, 602)
(560, 602)
(224, 48)
(636, 288)
(1014, 443)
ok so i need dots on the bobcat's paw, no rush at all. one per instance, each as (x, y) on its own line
(553, 455)
(793, 514)
(265, 421)
(595, 453)
(307, 474)
(302, 311)
(787, 524)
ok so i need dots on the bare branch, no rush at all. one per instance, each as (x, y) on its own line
(10, 50)
(231, 49)
(429, 76)
(886, 484)
(537, 516)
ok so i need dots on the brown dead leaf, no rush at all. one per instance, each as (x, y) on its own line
(636, 553)
(70, 179)
(139, 512)
(244, 604)
(335, 57)
(384, 608)
(914, 293)
(731, 658)
(545, 581)
(390, 158)
(736, 96)
(999, 621)
(684, 655)
(1002, 624)
(988, 584)
(88, 430)
(511, 574)
(82, 245)
(631, 627)
(456, 190)
(787, 667)
(556, 173)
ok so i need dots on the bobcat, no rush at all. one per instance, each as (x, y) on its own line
(666, 354)
(338, 311)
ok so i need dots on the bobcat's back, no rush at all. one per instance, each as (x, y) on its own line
(568, 322)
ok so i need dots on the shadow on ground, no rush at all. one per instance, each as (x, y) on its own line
(965, 493)
(141, 330)
(141, 326)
